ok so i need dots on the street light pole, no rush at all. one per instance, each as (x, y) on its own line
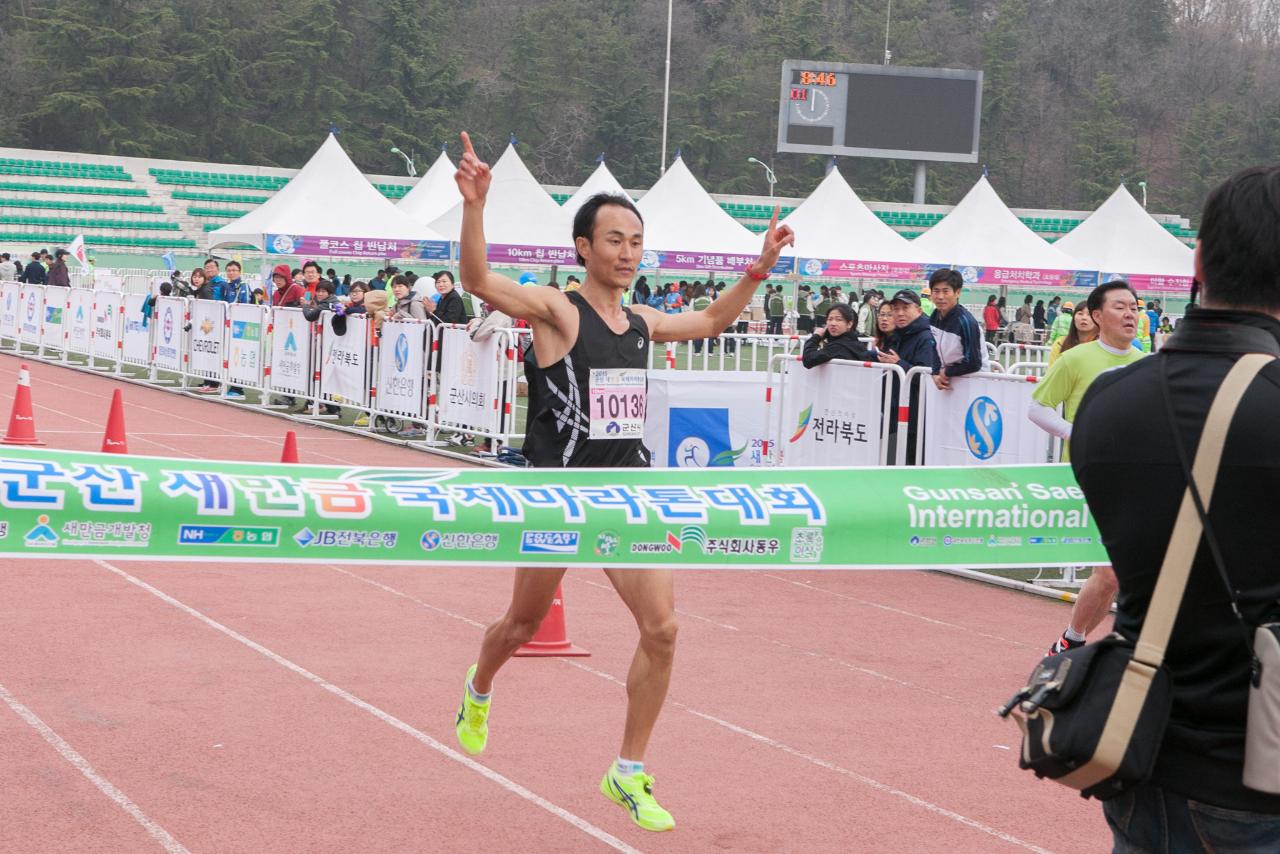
(768, 173)
(666, 93)
(1143, 185)
(413, 172)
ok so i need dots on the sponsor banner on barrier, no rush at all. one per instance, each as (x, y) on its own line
(982, 420)
(468, 380)
(1027, 277)
(169, 319)
(1163, 284)
(401, 367)
(357, 247)
(707, 419)
(52, 333)
(830, 415)
(344, 369)
(106, 325)
(137, 331)
(245, 343)
(79, 321)
(508, 253)
(290, 351)
(78, 505)
(31, 314)
(10, 308)
(653, 259)
(207, 339)
(832, 268)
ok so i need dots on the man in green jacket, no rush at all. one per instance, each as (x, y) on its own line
(776, 310)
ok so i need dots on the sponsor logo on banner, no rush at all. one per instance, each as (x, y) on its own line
(290, 343)
(282, 244)
(995, 542)
(674, 542)
(812, 267)
(401, 352)
(129, 535)
(802, 423)
(962, 541)
(41, 536)
(699, 438)
(983, 428)
(607, 543)
(432, 540)
(806, 545)
(227, 535)
(52, 314)
(243, 330)
(549, 542)
(923, 542)
(345, 539)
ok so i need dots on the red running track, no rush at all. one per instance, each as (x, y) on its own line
(230, 708)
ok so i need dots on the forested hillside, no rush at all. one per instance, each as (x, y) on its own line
(1079, 94)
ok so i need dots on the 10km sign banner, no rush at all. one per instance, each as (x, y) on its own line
(77, 505)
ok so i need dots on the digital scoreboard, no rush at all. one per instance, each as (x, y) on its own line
(880, 111)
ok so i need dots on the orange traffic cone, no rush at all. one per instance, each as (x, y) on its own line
(113, 441)
(290, 452)
(552, 638)
(22, 423)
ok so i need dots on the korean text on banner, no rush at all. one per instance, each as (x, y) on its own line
(137, 336)
(170, 316)
(290, 351)
(707, 419)
(10, 307)
(982, 420)
(401, 367)
(468, 380)
(78, 505)
(79, 321)
(55, 313)
(344, 369)
(208, 337)
(245, 344)
(831, 415)
(31, 314)
(106, 325)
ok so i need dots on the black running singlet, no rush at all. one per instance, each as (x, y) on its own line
(562, 412)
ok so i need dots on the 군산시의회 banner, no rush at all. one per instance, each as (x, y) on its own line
(78, 505)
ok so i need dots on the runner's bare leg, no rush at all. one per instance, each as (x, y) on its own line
(534, 588)
(650, 595)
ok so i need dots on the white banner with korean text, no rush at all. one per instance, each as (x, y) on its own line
(290, 351)
(79, 321)
(707, 419)
(344, 366)
(31, 314)
(246, 340)
(53, 331)
(10, 308)
(401, 367)
(106, 326)
(831, 415)
(469, 390)
(207, 341)
(137, 331)
(170, 316)
(981, 421)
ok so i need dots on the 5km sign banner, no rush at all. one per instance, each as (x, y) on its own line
(76, 505)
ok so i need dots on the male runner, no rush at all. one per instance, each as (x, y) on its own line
(1114, 308)
(583, 339)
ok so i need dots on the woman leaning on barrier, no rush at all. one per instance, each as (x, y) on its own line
(838, 341)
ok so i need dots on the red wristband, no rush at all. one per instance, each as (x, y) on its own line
(754, 277)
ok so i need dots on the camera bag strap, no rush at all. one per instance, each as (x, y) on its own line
(1157, 627)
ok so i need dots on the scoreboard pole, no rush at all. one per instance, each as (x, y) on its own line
(922, 175)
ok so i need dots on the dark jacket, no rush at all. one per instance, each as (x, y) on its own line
(1134, 488)
(58, 274)
(819, 349)
(914, 345)
(34, 274)
(450, 308)
(958, 337)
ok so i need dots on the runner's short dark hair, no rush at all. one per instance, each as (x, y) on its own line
(946, 276)
(584, 221)
(1240, 240)
(1098, 295)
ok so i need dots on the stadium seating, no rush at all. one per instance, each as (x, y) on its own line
(81, 222)
(60, 169)
(86, 189)
(100, 240)
(224, 213)
(106, 207)
(236, 198)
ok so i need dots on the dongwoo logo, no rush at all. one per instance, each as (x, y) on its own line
(401, 353)
(983, 428)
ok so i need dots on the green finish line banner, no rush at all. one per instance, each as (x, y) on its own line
(76, 505)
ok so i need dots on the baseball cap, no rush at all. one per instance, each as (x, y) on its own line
(906, 295)
(1068, 304)
(527, 278)
(925, 290)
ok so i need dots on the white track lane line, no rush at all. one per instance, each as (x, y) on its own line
(743, 731)
(966, 629)
(808, 653)
(67, 752)
(387, 718)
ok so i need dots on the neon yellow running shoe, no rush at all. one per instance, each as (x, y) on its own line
(472, 724)
(635, 795)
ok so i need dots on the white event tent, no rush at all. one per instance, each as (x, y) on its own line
(601, 181)
(685, 229)
(1121, 239)
(434, 194)
(522, 223)
(983, 239)
(837, 235)
(330, 209)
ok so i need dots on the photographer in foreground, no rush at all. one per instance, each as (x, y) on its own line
(1195, 799)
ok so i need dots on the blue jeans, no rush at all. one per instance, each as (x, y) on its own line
(1149, 820)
